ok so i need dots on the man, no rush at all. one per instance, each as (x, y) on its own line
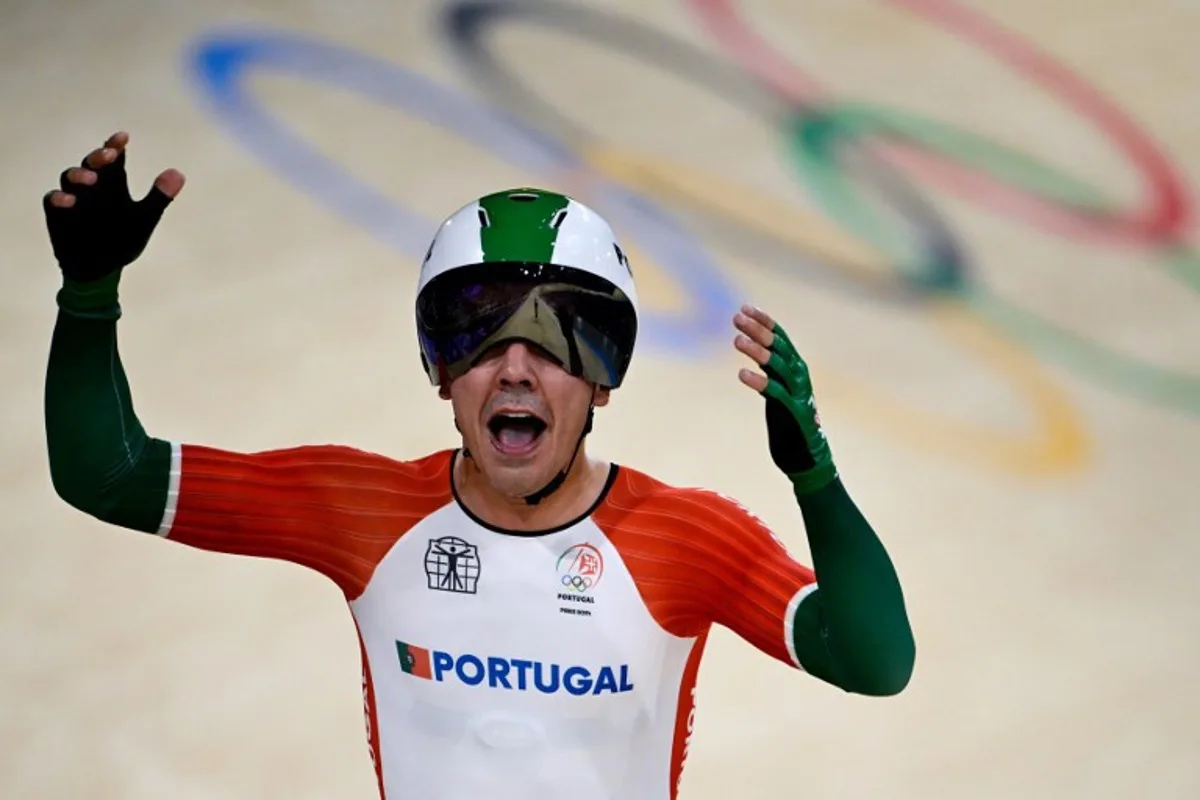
(530, 617)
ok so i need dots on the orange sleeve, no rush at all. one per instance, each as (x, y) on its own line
(765, 584)
(335, 510)
(699, 558)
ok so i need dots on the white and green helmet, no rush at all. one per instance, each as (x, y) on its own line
(532, 265)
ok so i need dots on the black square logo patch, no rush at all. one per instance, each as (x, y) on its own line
(452, 565)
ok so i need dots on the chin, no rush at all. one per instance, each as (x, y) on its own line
(517, 482)
(516, 476)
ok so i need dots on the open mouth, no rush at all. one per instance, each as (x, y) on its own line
(516, 432)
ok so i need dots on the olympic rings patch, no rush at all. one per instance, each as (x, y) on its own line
(580, 568)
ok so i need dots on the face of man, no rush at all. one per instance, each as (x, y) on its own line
(521, 416)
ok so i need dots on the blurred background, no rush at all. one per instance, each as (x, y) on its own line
(976, 224)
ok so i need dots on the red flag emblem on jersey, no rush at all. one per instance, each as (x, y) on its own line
(414, 660)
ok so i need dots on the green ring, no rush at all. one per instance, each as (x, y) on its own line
(813, 134)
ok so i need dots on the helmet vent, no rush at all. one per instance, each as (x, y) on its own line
(557, 222)
(484, 219)
(523, 197)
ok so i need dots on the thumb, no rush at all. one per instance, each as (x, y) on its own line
(170, 183)
(166, 187)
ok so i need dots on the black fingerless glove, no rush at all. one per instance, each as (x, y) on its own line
(106, 229)
(101, 234)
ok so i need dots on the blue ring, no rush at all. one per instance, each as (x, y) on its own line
(220, 62)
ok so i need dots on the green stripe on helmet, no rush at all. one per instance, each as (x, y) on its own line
(521, 225)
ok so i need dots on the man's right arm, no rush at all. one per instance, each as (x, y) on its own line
(333, 509)
(102, 462)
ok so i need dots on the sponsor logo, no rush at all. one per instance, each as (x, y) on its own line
(514, 674)
(366, 694)
(579, 570)
(687, 739)
(452, 565)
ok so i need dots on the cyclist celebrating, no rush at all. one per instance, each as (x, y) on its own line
(530, 616)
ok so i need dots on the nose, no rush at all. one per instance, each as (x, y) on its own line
(516, 365)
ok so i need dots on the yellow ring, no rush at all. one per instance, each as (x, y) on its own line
(807, 232)
(1057, 442)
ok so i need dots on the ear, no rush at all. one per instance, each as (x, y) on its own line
(600, 396)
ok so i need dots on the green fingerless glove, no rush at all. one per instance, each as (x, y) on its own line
(797, 442)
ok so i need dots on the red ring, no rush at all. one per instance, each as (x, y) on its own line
(1162, 216)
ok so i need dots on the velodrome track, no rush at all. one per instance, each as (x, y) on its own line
(975, 227)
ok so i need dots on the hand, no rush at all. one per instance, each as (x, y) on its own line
(797, 442)
(96, 228)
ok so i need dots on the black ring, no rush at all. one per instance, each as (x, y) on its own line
(465, 24)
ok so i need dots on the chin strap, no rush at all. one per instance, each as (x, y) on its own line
(555, 483)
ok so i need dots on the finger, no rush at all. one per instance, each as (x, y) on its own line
(58, 199)
(113, 181)
(776, 368)
(764, 386)
(164, 191)
(75, 176)
(117, 141)
(774, 390)
(782, 337)
(755, 380)
(754, 329)
(170, 183)
(753, 349)
(152, 206)
(101, 157)
(783, 346)
(758, 315)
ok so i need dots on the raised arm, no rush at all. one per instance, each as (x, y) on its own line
(102, 462)
(850, 627)
(335, 510)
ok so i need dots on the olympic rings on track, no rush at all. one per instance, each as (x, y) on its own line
(1166, 209)
(1056, 443)
(466, 24)
(941, 263)
(222, 63)
(817, 139)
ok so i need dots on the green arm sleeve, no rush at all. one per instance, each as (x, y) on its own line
(101, 460)
(853, 631)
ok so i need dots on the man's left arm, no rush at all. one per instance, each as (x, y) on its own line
(842, 621)
(850, 626)
(853, 631)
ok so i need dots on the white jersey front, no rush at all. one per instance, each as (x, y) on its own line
(527, 663)
(499, 664)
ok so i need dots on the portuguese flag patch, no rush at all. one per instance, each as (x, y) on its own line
(414, 660)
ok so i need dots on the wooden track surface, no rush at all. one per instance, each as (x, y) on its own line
(1044, 525)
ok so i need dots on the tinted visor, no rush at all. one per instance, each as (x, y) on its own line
(581, 320)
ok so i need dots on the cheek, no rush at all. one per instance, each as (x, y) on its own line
(466, 401)
(572, 404)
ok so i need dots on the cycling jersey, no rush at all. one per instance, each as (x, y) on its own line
(498, 664)
(495, 664)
